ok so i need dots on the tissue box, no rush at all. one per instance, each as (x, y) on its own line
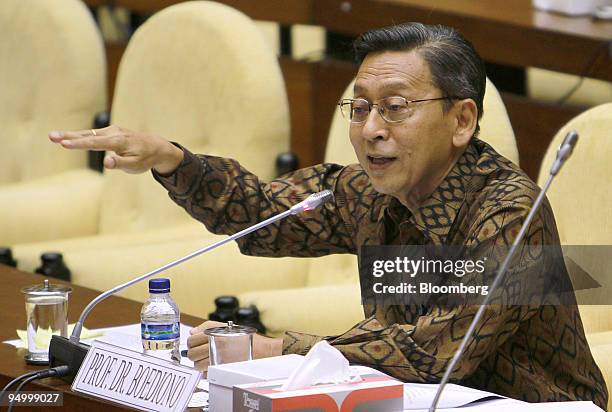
(222, 378)
(374, 394)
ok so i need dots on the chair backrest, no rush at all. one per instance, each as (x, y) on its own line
(584, 182)
(581, 198)
(495, 129)
(52, 77)
(199, 73)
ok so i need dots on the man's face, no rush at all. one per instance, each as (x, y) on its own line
(403, 159)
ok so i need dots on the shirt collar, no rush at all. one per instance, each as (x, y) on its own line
(436, 215)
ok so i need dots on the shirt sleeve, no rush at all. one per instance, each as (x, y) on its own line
(227, 198)
(415, 343)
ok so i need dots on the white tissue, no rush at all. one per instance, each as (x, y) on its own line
(322, 364)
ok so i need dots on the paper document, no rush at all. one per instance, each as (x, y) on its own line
(421, 395)
(513, 405)
(127, 336)
(43, 337)
(418, 398)
(198, 400)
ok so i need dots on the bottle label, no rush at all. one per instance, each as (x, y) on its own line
(160, 332)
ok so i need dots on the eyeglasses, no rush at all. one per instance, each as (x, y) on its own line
(392, 109)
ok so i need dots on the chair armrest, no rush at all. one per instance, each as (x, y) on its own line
(61, 206)
(28, 254)
(102, 262)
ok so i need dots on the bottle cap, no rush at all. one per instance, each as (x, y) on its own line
(159, 285)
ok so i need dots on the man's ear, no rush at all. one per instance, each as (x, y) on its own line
(466, 115)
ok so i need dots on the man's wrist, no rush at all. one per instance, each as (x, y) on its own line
(171, 160)
(265, 347)
(277, 346)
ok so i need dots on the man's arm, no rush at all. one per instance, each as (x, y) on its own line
(416, 345)
(228, 198)
(224, 196)
(420, 352)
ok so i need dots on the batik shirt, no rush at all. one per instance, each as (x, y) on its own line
(531, 353)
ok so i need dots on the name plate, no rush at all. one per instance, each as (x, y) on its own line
(134, 379)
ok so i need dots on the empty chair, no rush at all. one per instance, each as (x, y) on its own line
(580, 197)
(187, 74)
(53, 75)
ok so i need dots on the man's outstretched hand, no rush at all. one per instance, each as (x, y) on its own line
(132, 152)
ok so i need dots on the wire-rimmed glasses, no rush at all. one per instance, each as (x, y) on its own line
(392, 109)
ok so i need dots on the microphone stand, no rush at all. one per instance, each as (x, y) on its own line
(72, 352)
(565, 150)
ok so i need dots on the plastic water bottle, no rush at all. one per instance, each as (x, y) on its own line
(160, 322)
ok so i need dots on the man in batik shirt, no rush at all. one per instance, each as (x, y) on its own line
(424, 178)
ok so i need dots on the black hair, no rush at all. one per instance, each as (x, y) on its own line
(455, 66)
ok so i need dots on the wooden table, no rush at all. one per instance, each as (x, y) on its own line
(503, 31)
(114, 311)
(286, 12)
(509, 32)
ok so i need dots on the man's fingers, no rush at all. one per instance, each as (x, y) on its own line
(197, 340)
(89, 143)
(206, 325)
(198, 349)
(98, 143)
(129, 164)
(202, 366)
(76, 134)
(198, 353)
(58, 136)
(110, 161)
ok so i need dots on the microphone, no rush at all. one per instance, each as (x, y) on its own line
(312, 202)
(72, 352)
(564, 152)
